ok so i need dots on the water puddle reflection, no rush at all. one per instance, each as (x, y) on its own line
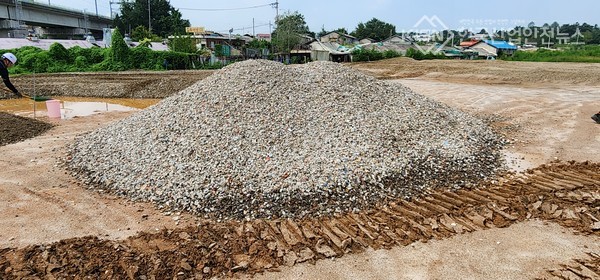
(72, 107)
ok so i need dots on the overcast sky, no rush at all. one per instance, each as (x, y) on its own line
(405, 15)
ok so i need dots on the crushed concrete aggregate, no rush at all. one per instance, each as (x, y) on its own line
(259, 139)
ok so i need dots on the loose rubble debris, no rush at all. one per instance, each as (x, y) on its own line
(580, 269)
(138, 84)
(259, 140)
(568, 194)
(14, 128)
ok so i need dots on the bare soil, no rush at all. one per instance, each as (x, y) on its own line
(497, 72)
(15, 129)
(130, 84)
(538, 224)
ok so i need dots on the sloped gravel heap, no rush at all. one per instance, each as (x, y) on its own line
(260, 139)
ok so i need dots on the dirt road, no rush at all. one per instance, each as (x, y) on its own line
(546, 119)
(41, 203)
(522, 74)
(543, 124)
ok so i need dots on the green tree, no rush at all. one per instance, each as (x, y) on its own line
(59, 52)
(119, 51)
(374, 29)
(140, 33)
(164, 19)
(289, 27)
(323, 32)
(595, 38)
(259, 44)
(341, 30)
(183, 43)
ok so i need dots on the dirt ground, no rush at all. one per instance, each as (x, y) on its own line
(521, 74)
(130, 84)
(14, 128)
(543, 108)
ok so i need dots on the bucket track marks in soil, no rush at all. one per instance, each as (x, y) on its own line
(567, 194)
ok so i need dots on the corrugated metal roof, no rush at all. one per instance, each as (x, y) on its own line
(333, 48)
(503, 45)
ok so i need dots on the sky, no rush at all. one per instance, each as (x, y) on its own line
(421, 15)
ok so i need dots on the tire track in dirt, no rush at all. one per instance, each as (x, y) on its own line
(568, 194)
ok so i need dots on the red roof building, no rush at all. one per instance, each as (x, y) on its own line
(467, 44)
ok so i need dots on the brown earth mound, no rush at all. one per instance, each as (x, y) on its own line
(15, 128)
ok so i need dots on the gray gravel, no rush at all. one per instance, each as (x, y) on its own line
(260, 139)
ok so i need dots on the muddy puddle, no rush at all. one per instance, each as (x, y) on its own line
(72, 107)
(516, 161)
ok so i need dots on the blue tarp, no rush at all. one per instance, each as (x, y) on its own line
(501, 45)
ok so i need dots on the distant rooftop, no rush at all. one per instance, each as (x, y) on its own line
(503, 45)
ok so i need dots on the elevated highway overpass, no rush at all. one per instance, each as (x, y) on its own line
(18, 17)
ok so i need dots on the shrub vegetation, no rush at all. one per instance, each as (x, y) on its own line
(373, 54)
(586, 53)
(118, 57)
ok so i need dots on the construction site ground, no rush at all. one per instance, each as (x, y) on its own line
(543, 223)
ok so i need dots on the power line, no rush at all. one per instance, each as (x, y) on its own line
(244, 28)
(229, 9)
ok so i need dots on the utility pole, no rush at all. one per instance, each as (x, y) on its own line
(253, 30)
(149, 18)
(271, 36)
(276, 6)
(110, 3)
(95, 2)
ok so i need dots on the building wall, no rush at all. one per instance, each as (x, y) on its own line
(484, 46)
(319, 55)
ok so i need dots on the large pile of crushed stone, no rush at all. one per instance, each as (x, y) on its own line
(260, 139)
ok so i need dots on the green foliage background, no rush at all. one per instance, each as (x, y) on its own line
(165, 19)
(118, 57)
(586, 53)
(373, 54)
(374, 29)
(289, 27)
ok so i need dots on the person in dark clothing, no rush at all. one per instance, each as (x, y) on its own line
(8, 60)
(596, 117)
